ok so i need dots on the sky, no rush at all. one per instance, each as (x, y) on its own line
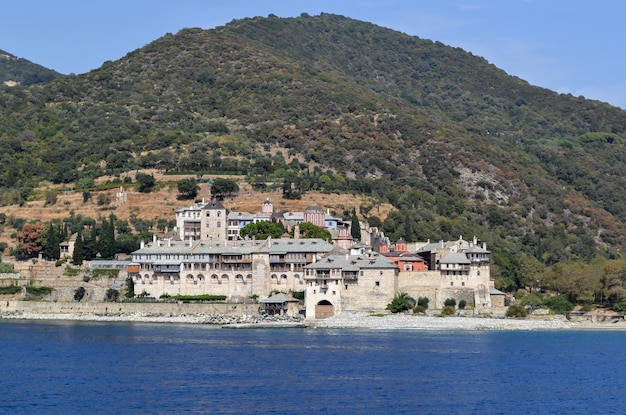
(568, 46)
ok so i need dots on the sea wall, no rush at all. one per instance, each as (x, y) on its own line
(100, 308)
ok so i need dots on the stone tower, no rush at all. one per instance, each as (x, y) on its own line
(214, 223)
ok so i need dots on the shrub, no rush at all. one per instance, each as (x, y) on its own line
(447, 311)
(558, 305)
(70, 272)
(38, 291)
(201, 297)
(462, 304)
(5, 267)
(423, 302)
(401, 302)
(450, 302)
(107, 273)
(112, 295)
(419, 309)
(516, 310)
(11, 289)
(79, 293)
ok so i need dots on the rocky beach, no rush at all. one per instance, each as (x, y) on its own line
(346, 320)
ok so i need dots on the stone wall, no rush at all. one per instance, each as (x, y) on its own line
(174, 309)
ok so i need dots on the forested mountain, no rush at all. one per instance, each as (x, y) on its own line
(455, 144)
(16, 70)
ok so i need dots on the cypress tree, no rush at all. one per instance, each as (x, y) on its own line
(79, 250)
(355, 228)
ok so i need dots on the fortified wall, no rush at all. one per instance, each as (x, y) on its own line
(437, 289)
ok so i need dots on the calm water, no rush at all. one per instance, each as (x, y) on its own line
(85, 368)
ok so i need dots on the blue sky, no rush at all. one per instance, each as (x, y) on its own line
(568, 46)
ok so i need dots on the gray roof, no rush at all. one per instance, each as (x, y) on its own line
(352, 262)
(279, 299)
(214, 204)
(273, 246)
(475, 249)
(493, 291)
(241, 216)
(454, 258)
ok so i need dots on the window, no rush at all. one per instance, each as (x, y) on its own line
(463, 284)
(219, 224)
(451, 283)
(378, 283)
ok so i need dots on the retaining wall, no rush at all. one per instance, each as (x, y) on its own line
(174, 309)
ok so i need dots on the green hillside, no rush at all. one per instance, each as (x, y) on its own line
(23, 72)
(455, 144)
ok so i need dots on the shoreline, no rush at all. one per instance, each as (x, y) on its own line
(345, 320)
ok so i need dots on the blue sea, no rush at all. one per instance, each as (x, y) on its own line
(124, 368)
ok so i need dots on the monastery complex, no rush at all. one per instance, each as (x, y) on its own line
(206, 255)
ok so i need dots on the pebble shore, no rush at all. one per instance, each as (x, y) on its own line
(356, 320)
(345, 320)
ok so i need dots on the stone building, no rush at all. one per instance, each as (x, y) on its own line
(238, 269)
(343, 282)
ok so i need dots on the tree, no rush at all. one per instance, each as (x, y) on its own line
(106, 242)
(423, 302)
(516, 310)
(532, 300)
(558, 304)
(261, 230)
(401, 302)
(130, 287)
(188, 188)
(112, 295)
(355, 227)
(530, 271)
(145, 182)
(449, 302)
(30, 239)
(79, 293)
(51, 239)
(309, 230)
(79, 250)
(222, 188)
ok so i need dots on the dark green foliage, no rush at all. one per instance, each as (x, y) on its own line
(221, 188)
(401, 302)
(106, 241)
(79, 250)
(423, 302)
(5, 267)
(38, 291)
(79, 293)
(145, 182)
(309, 230)
(130, 287)
(516, 310)
(112, 295)
(449, 302)
(10, 289)
(298, 295)
(197, 298)
(558, 304)
(23, 71)
(188, 188)
(462, 304)
(105, 273)
(261, 230)
(355, 227)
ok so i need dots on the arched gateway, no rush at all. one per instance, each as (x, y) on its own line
(324, 309)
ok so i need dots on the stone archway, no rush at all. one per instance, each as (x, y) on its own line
(324, 309)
